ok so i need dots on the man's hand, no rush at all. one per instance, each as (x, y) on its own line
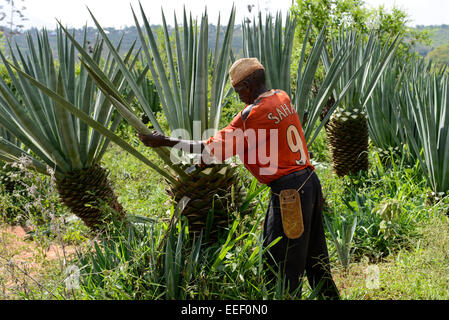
(154, 140)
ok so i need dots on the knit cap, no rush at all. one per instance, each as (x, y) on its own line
(242, 68)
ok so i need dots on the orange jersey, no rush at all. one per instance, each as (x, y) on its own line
(267, 136)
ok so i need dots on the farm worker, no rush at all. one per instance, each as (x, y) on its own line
(268, 137)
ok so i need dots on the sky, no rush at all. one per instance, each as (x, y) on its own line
(117, 13)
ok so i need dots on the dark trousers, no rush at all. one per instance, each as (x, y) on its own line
(308, 253)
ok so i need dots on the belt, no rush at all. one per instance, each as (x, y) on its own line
(282, 180)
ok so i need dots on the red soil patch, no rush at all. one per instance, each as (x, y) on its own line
(23, 262)
(13, 239)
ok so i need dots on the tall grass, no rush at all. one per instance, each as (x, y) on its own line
(132, 264)
(375, 214)
(144, 263)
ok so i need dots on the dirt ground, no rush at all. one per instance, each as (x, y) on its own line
(25, 264)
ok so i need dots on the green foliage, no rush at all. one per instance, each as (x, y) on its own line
(438, 36)
(74, 231)
(339, 74)
(342, 230)
(27, 198)
(355, 15)
(182, 83)
(394, 23)
(231, 107)
(439, 55)
(425, 119)
(139, 189)
(134, 265)
(388, 202)
(148, 261)
(367, 54)
(94, 115)
(334, 14)
(121, 267)
(272, 43)
(383, 111)
(320, 150)
(6, 77)
(55, 137)
(34, 204)
(182, 86)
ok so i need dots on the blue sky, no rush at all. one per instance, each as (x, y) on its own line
(117, 13)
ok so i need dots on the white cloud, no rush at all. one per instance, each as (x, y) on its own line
(429, 12)
(117, 13)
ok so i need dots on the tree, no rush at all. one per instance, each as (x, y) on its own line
(333, 14)
(394, 23)
(440, 55)
(354, 14)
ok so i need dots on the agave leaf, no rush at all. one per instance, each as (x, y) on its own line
(426, 99)
(124, 110)
(163, 86)
(272, 44)
(118, 101)
(221, 74)
(377, 73)
(14, 153)
(127, 74)
(199, 106)
(54, 135)
(306, 77)
(192, 73)
(111, 91)
(383, 108)
(61, 102)
(336, 68)
(349, 85)
(67, 130)
(33, 132)
(173, 77)
(371, 49)
(102, 110)
(9, 122)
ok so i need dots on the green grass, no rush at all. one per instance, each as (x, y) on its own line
(139, 189)
(409, 248)
(419, 273)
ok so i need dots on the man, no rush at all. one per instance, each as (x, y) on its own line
(268, 137)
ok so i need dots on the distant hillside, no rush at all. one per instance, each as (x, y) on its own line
(438, 51)
(129, 35)
(440, 54)
(439, 34)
